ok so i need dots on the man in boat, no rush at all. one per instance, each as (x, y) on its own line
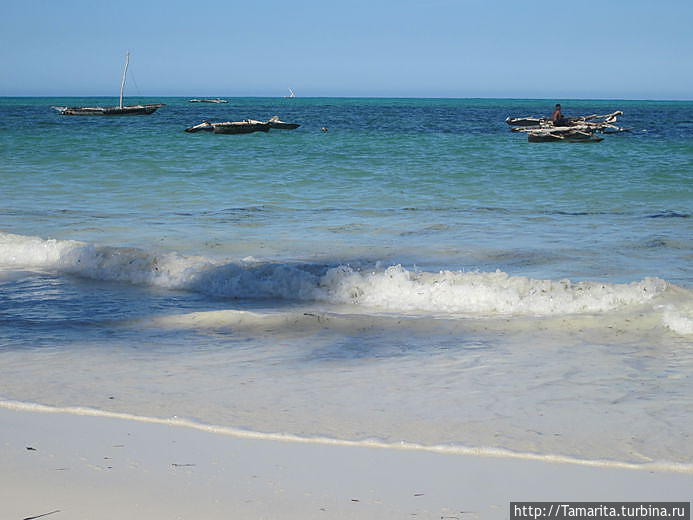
(557, 117)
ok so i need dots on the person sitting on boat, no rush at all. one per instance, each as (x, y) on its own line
(557, 117)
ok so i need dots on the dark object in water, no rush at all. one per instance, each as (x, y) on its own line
(240, 127)
(669, 214)
(275, 122)
(231, 127)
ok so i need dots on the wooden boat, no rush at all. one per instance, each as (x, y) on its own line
(130, 110)
(206, 100)
(230, 127)
(120, 110)
(240, 127)
(583, 133)
(275, 122)
(525, 121)
(574, 137)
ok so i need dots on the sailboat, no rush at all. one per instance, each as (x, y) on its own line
(120, 110)
(292, 94)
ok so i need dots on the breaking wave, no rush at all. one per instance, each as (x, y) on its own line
(392, 288)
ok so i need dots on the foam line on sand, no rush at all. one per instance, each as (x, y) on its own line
(89, 466)
(449, 449)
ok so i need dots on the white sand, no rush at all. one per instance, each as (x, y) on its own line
(99, 468)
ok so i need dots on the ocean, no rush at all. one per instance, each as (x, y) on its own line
(416, 276)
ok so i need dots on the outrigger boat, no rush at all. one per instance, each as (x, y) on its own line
(242, 127)
(120, 110)
(579, 129)
(207, 100)
(132, 110)
(230, 127)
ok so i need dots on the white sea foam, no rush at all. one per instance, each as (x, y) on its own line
(394, 289)
(483, 293)
(679, 318)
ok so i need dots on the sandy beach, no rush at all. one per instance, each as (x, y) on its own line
(88, 467)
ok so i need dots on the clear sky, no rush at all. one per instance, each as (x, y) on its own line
(623, 49)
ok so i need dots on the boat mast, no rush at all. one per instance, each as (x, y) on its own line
(122, 83)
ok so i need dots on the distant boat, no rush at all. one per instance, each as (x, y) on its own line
(120, 110)
(275, 122)
(292, 94)
(207, 100)
(230, 127)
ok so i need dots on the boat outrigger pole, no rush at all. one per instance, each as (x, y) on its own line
(122, 83)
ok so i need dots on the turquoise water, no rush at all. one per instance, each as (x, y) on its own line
(418, 251)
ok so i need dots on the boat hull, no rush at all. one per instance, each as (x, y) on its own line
(240, 127)
(284, 126)
(534, 138)
(132, 110)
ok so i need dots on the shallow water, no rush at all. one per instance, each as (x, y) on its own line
(416, 274)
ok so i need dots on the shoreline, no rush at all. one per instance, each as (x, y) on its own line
(87, 466)
(454, 450)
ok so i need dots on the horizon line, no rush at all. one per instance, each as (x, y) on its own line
(358, 97)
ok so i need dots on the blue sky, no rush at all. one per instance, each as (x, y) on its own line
(439, 48)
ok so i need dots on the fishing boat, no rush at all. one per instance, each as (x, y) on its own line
(275, 122)
(120, 110)
(581, 129)
(230, 127)
(207, 100)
